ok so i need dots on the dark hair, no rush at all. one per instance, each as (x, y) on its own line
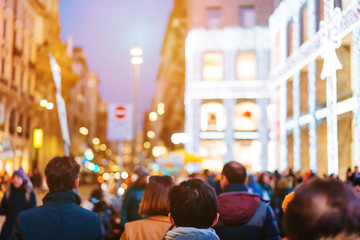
(61, 173)
(155, 200)
(322, 208)
(193, 203)
(235, 172)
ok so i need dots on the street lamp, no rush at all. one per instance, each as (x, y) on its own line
(136, 59)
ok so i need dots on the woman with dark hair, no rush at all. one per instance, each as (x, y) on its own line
(18, 196)
(154, 205)
(323, 209)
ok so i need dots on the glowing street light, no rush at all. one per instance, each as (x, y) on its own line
(136, 53)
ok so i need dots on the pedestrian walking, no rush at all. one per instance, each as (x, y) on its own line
(155, 206)
(19, 196)
(60, 217)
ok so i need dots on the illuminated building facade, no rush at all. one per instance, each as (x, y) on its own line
(19, 22)
(227, 54)
(315, 76)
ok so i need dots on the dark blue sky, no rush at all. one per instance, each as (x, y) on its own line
(107, 30)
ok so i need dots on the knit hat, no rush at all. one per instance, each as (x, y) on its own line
(20, 172)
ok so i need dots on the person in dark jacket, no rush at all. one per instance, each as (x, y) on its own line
(60, 217)
(132, 198)
(243, 215)
(18, 196)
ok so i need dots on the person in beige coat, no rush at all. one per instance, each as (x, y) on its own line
(155, 205)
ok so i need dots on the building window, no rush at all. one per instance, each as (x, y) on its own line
(247, 17)
(246, 116)
(304, 25)
(213, 18)
(12, 122)
(27, 128)
(212, 117)
(246, 66)
(289, 38)
(3, 67)
(212, 67)
(13, 74)
(4, 28)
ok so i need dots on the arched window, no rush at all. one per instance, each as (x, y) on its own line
(246, 117)
(213, 117)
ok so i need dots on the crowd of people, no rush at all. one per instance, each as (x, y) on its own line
(232, 205)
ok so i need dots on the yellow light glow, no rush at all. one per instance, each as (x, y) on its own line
(43, 102)
(84, 131)
(161, 111)
(19, 129)
(106, 176)
(96, 141)
(124, 186)
(153, 116)
(151, 134)
(117, 175)
(115, 168)
(38, 138)
(108, 152)
(159, 151)
(147, 145)
(49, 105)
(103, 147)
(161, 105)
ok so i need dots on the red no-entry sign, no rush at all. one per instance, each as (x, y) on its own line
(120, 112)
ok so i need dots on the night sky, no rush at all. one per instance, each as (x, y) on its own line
(107, 30)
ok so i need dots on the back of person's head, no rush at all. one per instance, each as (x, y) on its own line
(235, 172)
(322, 208)
(193, 203)
(61, 173)
(155, 200)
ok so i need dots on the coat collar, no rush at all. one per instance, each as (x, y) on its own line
(236, 187)
(69, 195)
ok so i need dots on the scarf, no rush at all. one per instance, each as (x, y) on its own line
(190, 230)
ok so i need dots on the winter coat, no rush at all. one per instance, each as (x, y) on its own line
(131, 203)
(14, 201)
(244, 216)
(152, 228)
(59, 218)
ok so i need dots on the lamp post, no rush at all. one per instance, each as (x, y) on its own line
(136, 59)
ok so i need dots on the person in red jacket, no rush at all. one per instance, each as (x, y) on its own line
(243, 215)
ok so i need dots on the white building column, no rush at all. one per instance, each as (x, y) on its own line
(283, 134)
(312, 92)
(263, 133)
(331, 100)
(296, 99)
(229, 105)
(356, 87)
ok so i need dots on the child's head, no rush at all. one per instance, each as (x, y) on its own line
(193, 203)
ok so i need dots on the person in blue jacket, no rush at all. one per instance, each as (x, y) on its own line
(60, 217)
(18, 196)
